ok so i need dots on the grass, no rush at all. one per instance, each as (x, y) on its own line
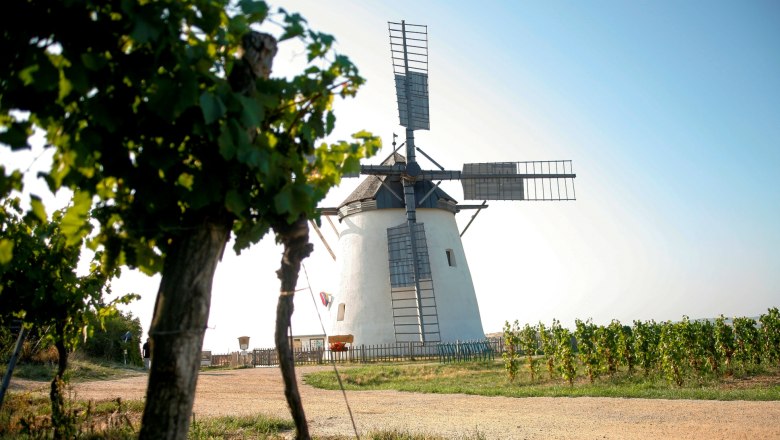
(255, 427)
(79, 370)
(403, 435)
(27, 416)
(490, 379)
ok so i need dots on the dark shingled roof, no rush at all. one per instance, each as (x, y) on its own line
(371, 189)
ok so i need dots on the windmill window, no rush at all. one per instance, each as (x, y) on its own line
(340, 316)
(451, 258)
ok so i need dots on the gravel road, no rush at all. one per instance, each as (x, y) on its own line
(260, 390)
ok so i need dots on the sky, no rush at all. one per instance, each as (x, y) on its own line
(670, 112)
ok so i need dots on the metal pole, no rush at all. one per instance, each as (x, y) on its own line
(322, 238)
(12, 362)
(484, 203)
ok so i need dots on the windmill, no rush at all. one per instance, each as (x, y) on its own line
(404, 275)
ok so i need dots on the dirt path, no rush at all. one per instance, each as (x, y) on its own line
(253, 391)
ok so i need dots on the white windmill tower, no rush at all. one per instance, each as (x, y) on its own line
(404, 275)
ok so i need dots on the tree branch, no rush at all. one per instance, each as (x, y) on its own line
(295, 239)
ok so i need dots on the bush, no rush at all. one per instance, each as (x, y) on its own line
(107, 342)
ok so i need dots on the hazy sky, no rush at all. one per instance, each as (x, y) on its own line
(670, 112)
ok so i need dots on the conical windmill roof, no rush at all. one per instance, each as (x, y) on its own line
(372, 194)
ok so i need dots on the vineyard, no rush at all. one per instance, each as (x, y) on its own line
(684, 352)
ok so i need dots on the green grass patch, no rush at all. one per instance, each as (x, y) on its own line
(403, 435)
(255, 427)
(406, 435)
(490, 379)
(79, 370)
(28, 416)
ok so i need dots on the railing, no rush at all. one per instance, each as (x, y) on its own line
(466, 351)
(407, 351)
(444, 352)
(229, 360)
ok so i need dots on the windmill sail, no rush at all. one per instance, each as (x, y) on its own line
(418, 95)
(409, 53)
(415, 316)
(549, 180)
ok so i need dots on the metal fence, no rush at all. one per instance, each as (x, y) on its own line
(445, 352)
(457, 351)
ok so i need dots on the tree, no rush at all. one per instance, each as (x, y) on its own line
(563, 351)
(725, 342)
(112, 335)
(511, 344)
(586, 345)
(709, 346)
(40, 286)
(770, 331)
(607, 342)
(175, 143)
(646, 338)
(626, 348)
(748, 346)
(671, 348)
(529, 344)
(548, 343)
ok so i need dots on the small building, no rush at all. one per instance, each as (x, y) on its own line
(308, 342)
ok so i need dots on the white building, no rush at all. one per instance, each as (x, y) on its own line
(377, 301)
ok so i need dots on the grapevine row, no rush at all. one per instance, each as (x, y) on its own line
(678, 351)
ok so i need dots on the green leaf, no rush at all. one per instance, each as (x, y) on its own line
(16, 135)
(253, 7)
(351, 165)
(6, 251)
(294, 26)
(9, 182)
(65, 86)
(26, 74)
(252, 112)
(330, 122)
(144, 31)
(210, 17)
(74, 222)
(38, 209)
(186, 180)
(92, 61)
(283, 201)
(213, 108)
(234, 202)
(77, 75)
(227, 145)
(147, 260)
(246, 238)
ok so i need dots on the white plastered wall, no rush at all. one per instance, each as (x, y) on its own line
(364, 286)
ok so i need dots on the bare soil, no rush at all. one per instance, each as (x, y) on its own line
(260, 391)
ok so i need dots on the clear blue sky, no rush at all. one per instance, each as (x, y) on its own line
(669, 110)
